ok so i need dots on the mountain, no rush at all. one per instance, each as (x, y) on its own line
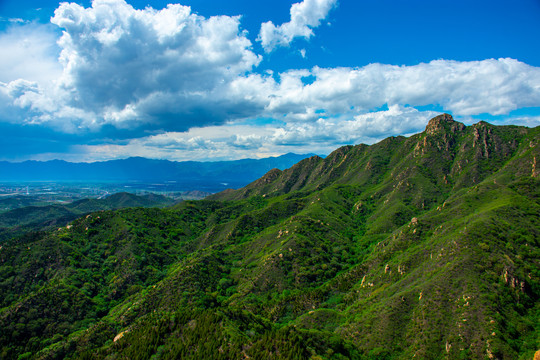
(39, 218)
(188, 175)
(422, 247)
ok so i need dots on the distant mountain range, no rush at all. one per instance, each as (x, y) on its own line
(186, 175)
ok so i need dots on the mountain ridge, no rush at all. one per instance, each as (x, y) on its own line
(429, 140)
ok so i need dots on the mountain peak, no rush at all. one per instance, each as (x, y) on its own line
(443, 123)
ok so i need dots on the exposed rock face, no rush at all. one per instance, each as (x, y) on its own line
(443, 122)
(119, 336)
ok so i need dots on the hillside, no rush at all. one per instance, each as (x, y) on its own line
(422, 247)
(41, 218)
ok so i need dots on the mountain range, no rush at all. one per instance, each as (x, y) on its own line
(186, 175)
(426, 247)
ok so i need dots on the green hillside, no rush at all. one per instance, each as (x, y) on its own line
(40, 218)
(423, 247)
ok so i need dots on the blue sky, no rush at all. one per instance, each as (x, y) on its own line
(217, 80)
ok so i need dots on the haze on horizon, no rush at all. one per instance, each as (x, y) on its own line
(214, 80)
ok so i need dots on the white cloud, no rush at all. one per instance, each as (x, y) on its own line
(366, 128)
(117, 56)
(124, 66)
(13, 20)
(463, 88)
(29, 52)
(232, 142)
(304, 17)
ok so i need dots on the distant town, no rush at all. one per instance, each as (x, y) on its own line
(19, 194)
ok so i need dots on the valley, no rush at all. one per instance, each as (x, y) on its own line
(14, 195)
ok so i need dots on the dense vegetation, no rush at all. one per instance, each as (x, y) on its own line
(423, 247)
(46, 217)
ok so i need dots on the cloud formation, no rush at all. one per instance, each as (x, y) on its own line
(249, 141)
(126, 65)
(173, 70)
(463, 88)
(129, 54)
(304, 17)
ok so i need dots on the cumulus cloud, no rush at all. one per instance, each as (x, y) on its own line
(304, 17)
(234, 141)
(182, 73)
(116, 56)
(463, 88)
(126, 65)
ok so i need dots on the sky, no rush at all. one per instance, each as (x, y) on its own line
(212, 80)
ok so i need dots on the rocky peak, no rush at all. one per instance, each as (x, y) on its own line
(443, 123)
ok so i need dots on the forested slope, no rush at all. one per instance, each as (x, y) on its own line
(40, 218)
